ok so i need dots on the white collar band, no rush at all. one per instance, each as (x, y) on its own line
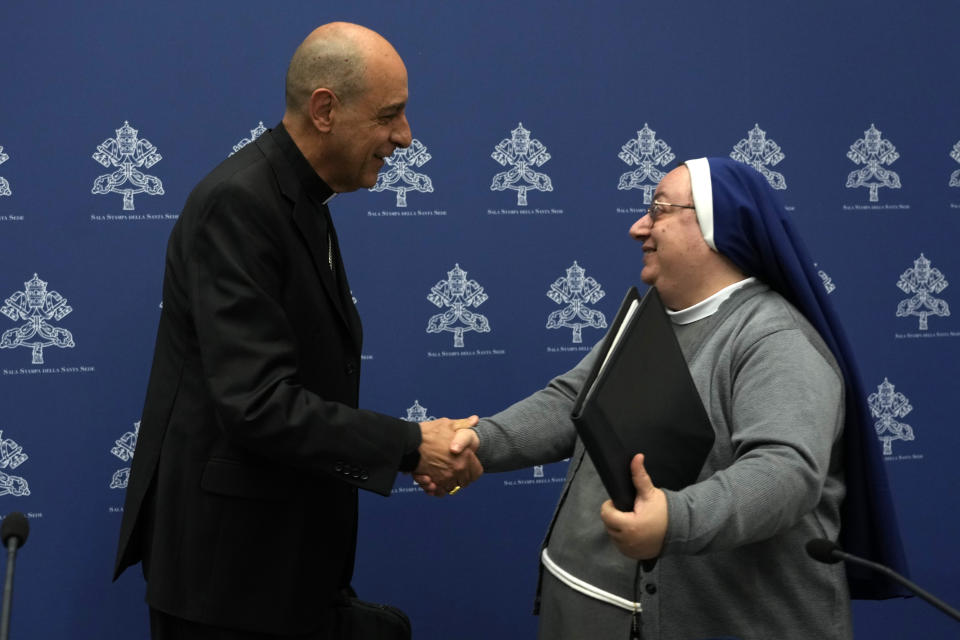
(708, 306)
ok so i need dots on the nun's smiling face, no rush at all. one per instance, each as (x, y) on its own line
(675, 254)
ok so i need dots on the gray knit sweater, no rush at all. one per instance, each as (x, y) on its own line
(733, 562)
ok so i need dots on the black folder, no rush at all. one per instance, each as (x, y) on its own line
(641, 399)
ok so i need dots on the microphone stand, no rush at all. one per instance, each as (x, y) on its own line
(890, 573)
(12, 544)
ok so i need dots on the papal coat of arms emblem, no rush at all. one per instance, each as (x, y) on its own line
(398, 174)
(11, 457)
(458, 294)
(128, 155)
(37, 308)
(417, 413)
(576, 291)
(954, 153)
(920, 282)
(523, 154)
(124, 448)
(255, 133)
(825, 279)
(761, 153)
(4, 184)
(648, 154)
(875, 154)
(887, 405)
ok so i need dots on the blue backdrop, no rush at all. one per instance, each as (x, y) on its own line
(538, 125)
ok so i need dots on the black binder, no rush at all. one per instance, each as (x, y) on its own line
(642, 400)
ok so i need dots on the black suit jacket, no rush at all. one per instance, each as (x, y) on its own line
(242, 499)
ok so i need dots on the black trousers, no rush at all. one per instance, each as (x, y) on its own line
(167, 627)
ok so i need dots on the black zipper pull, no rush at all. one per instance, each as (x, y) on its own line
(636, 626)
(636, 622)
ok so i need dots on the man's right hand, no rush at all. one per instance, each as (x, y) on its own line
(442, 466)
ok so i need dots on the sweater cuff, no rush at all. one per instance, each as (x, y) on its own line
(678, 523)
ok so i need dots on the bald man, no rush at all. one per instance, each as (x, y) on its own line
(242, 500)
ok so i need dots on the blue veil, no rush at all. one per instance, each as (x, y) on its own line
(742, 218)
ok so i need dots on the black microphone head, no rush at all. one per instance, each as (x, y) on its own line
(15, 525)
(822, 550)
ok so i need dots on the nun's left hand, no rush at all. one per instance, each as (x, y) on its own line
(639, 533)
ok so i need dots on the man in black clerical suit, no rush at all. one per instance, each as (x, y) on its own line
(242, 500)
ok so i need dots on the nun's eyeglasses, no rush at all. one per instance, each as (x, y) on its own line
(658, 208)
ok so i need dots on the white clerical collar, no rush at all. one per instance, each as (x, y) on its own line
(708, 306)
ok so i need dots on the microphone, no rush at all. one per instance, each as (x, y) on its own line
(15, 527)
(829, 552)
(13, 533)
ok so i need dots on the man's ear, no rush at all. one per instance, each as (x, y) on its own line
(322, 102)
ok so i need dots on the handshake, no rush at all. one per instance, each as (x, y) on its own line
(448, 459)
